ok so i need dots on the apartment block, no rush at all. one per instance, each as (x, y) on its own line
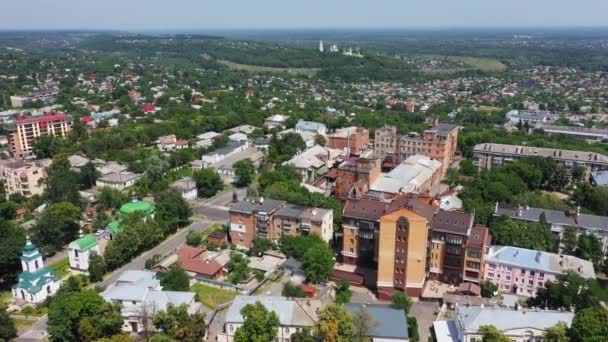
(23, 178)
(363, 171)
(439, 142)
(273, 219)
(486, 156)
(22, 134)
(44, 96)
(355, 140)
(457, 247)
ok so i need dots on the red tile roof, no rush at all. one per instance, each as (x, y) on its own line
(192, 259)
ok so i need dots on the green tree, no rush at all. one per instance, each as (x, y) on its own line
(7, 326)
(291, 290)
(343, 292)
(175, 280)
(334, 324)
(97, 267)
(155, 167)
(570, 290)
(208, 182)
(304, 335)
(363, 324)
(401, 301)
(110, 199)
(172, 210)
(589, 247)
(412, 328)
(244, 172)
(260, 325)
(556, 333)
(318, 263)
(260, 246)
(118, 338)
(569, 240)
(488, 289)
(62, 184)
(88, 175)
(194, 239)
(589, 325)
(136, 237)
(239, 267)
(82, 316)
(58, 225)
(508, 232)
(27, 310)
(490, 333)
(175, 322)
(12, 240)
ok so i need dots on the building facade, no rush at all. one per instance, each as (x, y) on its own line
(353, 171)
(523, 271)
(80, 251)
(23, 178)
(273, 219)
(486, 156)
(44, 96)
(354, 140)
(438, 142)
(22, 134)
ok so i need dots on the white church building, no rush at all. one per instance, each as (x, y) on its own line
(36, 282)
(79, 252)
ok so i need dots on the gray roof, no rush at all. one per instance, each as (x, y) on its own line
(442, 128)
(267, 206)
(474, 317)
(310, 126)
(184, 184)
(389, 323)
(302, 213)
(118, 177)
(555, 217)
(300, 313)
(594, 132)
(231, 146)
(527, 151)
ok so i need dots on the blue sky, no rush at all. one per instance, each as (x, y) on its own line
(226, 14)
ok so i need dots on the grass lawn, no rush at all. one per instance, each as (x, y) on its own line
(38, 312)
(211, 296)
(23, 324)
(61, 267)
(213, 228)
(257, 68)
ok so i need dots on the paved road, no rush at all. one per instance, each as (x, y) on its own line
(213, 214)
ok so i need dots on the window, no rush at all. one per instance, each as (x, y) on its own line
(541, 275)
(531, 273)
(474, 254)
(490, 275)
(402, 224)
(530, 282)
(508, 277)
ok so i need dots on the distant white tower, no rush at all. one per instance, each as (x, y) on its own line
(320, 46)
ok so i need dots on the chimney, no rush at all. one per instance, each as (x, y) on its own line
(519, 211)
(537, 258)
(261, 199)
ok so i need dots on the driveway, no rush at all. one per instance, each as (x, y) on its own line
(425, 314)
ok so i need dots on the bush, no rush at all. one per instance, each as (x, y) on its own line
(193, 239)
(151, 262)
(291, 290)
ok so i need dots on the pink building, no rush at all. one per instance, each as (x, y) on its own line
(522, 271)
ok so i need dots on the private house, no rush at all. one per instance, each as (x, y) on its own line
(315, 161)
(141, 295)
(519, 325)
(36, 282)
(206, 139)
(523, 271)
(80, 250)
(118, 180)
(276, 121)
(294, 315)
(196, 263)
(238, 137)
(390, 324)
(311, 126)
(599, 178)
(169, 143)
(186, 187)
(222, 153)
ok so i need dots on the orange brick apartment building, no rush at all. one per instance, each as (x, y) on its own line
(356, 139)
(439, 142)
(399, 239)
(22, 134)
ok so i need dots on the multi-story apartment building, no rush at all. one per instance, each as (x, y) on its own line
(457, 247)
(22, 134)
(273, 219)
(22, 178)
(44, 96)
(409, 239)
(523, 271)
(438, 142)
(392, 236)
(356, 170)
(486, 156)
(354, 140)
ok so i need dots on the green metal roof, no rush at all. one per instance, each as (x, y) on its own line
(29, 247)
(86, 242)
(137, 206)
(115, 227)
(34, 281)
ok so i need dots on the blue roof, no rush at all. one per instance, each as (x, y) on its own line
(309, 125)
(520, 257)
(390, 323)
